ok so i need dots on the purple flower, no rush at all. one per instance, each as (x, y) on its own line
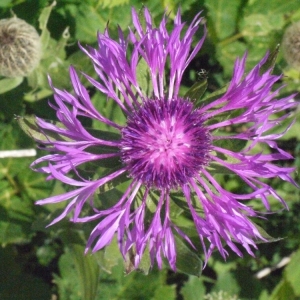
(166, 146)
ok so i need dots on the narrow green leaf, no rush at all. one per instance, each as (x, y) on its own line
(215, 168)
(235, 145)
(104, 134)
(114, 183)
(196, 91)
(215, 95)
(43, 20)
(36, 95)
(265, 235)
(7, 84)
(30, 127)
(270, 63)
(178, 200)
(143, 77)
(187, 260)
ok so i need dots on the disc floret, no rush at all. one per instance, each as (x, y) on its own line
(165, 143)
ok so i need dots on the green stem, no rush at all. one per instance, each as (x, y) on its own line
(232, 39)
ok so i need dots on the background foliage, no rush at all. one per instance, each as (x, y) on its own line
(39, 262)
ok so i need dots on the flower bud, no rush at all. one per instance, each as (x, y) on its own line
(291, 45)
(20, 47)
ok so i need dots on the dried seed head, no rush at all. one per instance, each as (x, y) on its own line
(291, 45)
(20, 47)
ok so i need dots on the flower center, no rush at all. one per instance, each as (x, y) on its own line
(165, 143)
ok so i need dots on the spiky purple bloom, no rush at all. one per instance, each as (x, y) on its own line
(167, 145)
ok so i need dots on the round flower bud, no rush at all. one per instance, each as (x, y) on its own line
(20, 47)
(291, 45)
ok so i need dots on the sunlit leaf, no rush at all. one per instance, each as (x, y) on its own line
(223, 16)
(292, 273)
(283, 291)
(43, 20)
(29, 126)
(7, 84)
(193, 289)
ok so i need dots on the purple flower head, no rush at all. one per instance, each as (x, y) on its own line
(166, 146)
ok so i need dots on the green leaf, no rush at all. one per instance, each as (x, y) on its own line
(215, 168)
(187, 260)
(5, 3)
(143, 77)
(135, 285)
(35, 95)
(292, 273)
(68, 285)
(33, 184)
(15, 219)
(18, 187)
(227, 282)
(53, 61)
(228, 53)
(264, 295)
(283, 291)
(165, 292)
(43, 20)
(114, 183)
(108, 257)
(144, 266)
(223, 16)
(109, 109)
(193, 289)
(104, 134)
(87, 271)
(270, 63)
(196, 91)
(29, 126)
(92, 18)
(259, 25)
(271, 8)
(235, 145)
(8, 84)
(215, 95)
(265, 235)
(110, 3)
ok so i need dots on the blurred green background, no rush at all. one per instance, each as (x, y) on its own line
(48, 263)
